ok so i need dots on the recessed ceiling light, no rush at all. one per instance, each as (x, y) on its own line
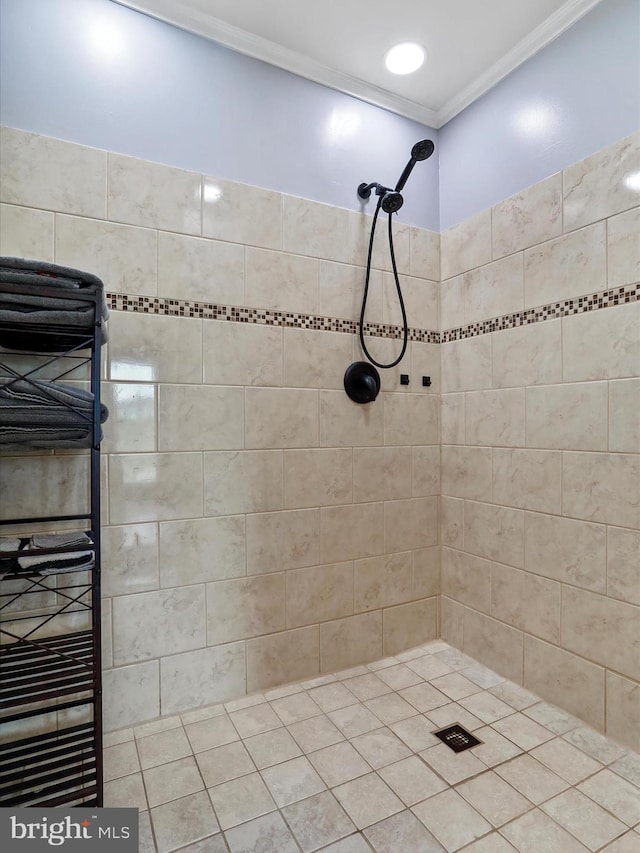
(404, 58)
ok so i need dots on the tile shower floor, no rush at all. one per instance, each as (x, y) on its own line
(348, 763)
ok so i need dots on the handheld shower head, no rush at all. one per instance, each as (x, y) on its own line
(420, 151)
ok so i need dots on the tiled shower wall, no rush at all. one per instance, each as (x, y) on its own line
(259, 527)
(541, 439)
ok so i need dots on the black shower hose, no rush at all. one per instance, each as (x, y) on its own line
(405, 330)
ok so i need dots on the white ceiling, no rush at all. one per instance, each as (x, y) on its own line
(470, 44)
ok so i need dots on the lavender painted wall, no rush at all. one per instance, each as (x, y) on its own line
(578, 95)
(93, 72)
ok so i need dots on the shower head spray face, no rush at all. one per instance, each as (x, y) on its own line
(392, 202)
(423, 149)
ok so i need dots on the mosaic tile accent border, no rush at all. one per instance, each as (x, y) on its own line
(210, 311)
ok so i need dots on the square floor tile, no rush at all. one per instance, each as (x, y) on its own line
(626, 844)
(267, 834)
(120, 760)
(412, 780)
(211, 732)
(492, 843)
(455, 658)
(339, 763)
(429, 667)
(452, 766)
(628, 767)
(241, 800)
(200, 714)
(163, 747)
(534, 832)
(210, 844)
(318, 681)
(552, 718)
(493, 798)
(351, 672)
(244, 702)
(399, 676)
(380, 747)
(390, 708)
(255, 720)
(514, 695)
(482, 675)
(455, 686)
(292, 781)
(352, 844)
(318, 821)
(330, 697)
(281, 692)
(376, 665)
(566, 760)
(617, 795)
(315, 733)
(119, 736)
(294, 708)
(367, 686)
(424, 697)
(402, 832)
(156, 726)
(451, 713)
(367, 800)
(416, 732)
(536, 782)
(172, 781)
(494, 748)
(272, 747)
(146, 844)
(126, 792)
(595, 744)
(452, 820)
(486, 706)
(524, 732)
(583, 818)
(355, 720)
(224, 763)
(183, 821)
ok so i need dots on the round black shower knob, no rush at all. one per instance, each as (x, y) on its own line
(362, 382)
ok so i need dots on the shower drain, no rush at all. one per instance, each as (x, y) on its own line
(457, 738)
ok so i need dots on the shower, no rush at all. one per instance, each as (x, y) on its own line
(361, 381)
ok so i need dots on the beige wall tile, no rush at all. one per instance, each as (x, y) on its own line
(602, 630)
(617, 354)
(245, 607)
(280, 417)
(602, 487)
(77, 184)
(466, 245)
(283, 657)
(410, 419)
(566, 550)
(151, 194)
(466, 579)
(452, 303)
(202, 270)
(247, 481)
(26, 233)
(410, 524)
(452, 418)
(282, 540)
(314, 229)
(527, 218)
(623, 564)
(341, 289)
(409, 625)
(386, 351)
(202, 677)
(346, 642)
(424, 247)
(451, 621)
(566, 680)
(425, 361)
(495, 532)
(318, 594)
(381, 473)
(466, 364)
(201, 550)
(426, 572)
(494, 289)
(152, 624)
(31, 485)
(200, 417)
(568, 266)
(359, 234)
(466, 472)
(596, 187)
(153, 348)
(316, 359)
(125, 258)
(129, 559)
(131, 426)
(317, 477)
(344, 423)
(242, 354)
(623, 239)
(568, 417)
(495, 645)
(496, 417)
(351, 532)
(624, 420)
(623, 710)
(154, 486)
(452, 522)
(528, 479)
(528, 355)
(241, 213)
(426, 471)
(420, 301)
(281, 282)
(383, 581)
(526, 601)
(131, 694)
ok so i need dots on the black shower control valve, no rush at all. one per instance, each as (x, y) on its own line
(404, 378)
(426, 381)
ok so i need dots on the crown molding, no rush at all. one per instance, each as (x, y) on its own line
(240, 40)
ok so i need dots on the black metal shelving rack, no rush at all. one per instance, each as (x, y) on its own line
(50, 676)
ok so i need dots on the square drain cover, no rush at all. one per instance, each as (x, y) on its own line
(457, 738)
